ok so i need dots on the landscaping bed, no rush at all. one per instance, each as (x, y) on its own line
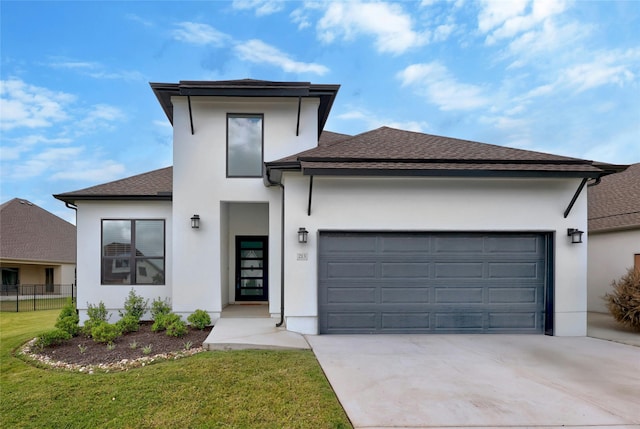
(83, 351)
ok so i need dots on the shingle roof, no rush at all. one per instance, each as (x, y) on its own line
(615, 203)
(30, 233)
(154, 185)
(397, 152)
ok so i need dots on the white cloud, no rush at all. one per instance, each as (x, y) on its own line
(29, 106)
(434, 81)
(262, 7)
(259, 52)
(139, 19)
(371, 121)
(607, 68)
(390, 26)
(95, 70)
(91, 171)
(44, 161)
(199, 34)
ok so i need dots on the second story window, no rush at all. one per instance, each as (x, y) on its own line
(244, 145)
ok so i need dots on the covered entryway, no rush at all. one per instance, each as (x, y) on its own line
(426, 282)
(252, 268)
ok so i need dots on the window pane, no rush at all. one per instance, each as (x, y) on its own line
(116, 238)
(244, 145)
(149, 238)
(150, 271)
(251, 254)
(116, 271)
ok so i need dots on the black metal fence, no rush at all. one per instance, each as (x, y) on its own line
(16, 298)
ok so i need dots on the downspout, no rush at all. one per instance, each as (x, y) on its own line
(272, 183)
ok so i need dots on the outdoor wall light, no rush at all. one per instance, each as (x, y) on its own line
(575, 234)
(195, 221)
(302, 235)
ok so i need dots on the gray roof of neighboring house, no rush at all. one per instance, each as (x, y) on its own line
(30, 233)
(614, 204)
(326, 93)
(390, 151)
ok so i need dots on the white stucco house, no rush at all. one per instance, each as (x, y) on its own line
(388, 231)
(614, 232)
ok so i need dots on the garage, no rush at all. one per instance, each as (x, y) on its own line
(434, 282)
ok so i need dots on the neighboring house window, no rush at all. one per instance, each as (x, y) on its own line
(10, 277)
(48, 279)
(244, 145)
(133, 252)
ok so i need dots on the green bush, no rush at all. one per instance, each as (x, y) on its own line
(624, 301)
(51, 338)
(98, 314)
(162, 320)
(68, 319)
(176, 327)
(128, 323)
(105, 332)
(134, 306)
(200, 319)
(160, 307)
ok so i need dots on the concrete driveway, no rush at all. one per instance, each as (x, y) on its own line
(428, 381)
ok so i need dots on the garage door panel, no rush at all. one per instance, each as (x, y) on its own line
(413, 270)
(405, 321)
(351, 295)
(517, 270)
(406, 244)
(394, 295)
(458, 270)
(459, 295)
(522, 295)
(431, 283)
(348, 243)
(359, 270)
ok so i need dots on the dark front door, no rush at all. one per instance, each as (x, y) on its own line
(251, 268)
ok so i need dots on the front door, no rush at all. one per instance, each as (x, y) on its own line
(251, 268)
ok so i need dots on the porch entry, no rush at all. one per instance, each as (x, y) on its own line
(251, 268)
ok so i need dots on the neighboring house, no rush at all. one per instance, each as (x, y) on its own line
(406, 232)
(36, 247)
(614, 232)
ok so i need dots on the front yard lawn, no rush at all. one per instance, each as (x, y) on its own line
(234, 389)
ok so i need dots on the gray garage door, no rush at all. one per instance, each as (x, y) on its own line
(432, 282)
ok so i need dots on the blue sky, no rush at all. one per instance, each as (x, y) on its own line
(76, 108)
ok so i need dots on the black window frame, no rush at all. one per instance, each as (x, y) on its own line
(245, 115)
(133, 258)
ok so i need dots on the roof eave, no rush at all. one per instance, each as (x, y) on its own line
(71, 199)
(444, 173)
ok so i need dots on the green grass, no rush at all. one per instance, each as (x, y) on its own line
(234, 389)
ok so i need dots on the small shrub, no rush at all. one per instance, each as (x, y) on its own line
(68, 319)
(159, 307)
(51, 338)
(128, 323)
(187, 345)
(176, 327)
(82, 348)
(200, 319)
(97, 314)
(134, 306)
(111, 346)
(624, 301)
(105, 333)
(160, 323)
(133, 345)
(147, 349)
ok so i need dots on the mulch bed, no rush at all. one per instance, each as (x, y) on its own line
(82, 351)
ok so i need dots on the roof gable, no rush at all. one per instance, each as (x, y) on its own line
(31, 233)
(615, 203)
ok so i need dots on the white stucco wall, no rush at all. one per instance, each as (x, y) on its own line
(88, 223)
(434, 204)
(611, 254)
(200, 186)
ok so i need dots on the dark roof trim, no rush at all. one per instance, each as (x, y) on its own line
(444, 173)
(447, 161)
(74, 197)
(247, 88)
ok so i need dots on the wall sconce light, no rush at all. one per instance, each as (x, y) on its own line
(195, 221)
(302, 235)
(575, 234)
